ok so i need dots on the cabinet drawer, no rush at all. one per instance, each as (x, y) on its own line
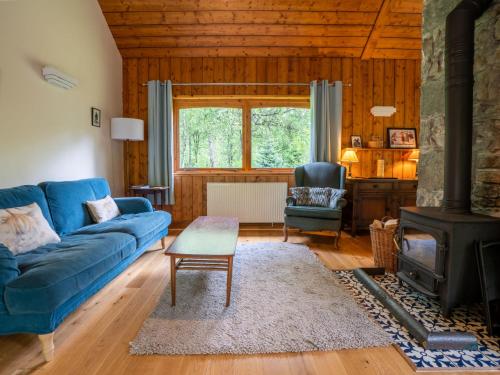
(408, 185)
(371, 186)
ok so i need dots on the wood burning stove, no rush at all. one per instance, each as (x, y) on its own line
(437, 254)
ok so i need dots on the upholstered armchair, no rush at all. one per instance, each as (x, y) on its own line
(310, 218)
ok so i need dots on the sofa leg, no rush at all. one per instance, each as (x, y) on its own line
(285, 233)
(337, 238)
(47, 342)
(163, 243)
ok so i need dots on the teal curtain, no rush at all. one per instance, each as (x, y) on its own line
(326, 121)
(160, 137)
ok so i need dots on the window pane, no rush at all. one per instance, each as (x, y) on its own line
(280, 137)
(210, 137)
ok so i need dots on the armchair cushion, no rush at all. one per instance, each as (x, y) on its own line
(314, 212)
(315, 196)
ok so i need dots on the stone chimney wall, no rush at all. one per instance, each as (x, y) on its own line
(486, 123)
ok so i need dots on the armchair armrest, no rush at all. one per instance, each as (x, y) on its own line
(341, 203)
(133, 205)
(290, 201)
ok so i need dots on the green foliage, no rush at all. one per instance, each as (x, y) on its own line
(212, 137)
(280, 137)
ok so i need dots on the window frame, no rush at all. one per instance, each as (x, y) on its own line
(246, 104)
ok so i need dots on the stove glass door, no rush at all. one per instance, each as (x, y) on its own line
(419, 246)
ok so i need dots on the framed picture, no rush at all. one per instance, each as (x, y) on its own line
(356, 141)
(402, 137)
(96, 117)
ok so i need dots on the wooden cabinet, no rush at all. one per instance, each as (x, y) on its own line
(370, 199)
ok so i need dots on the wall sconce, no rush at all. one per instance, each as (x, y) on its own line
(350, 157)
(57, 78)
(382, 111)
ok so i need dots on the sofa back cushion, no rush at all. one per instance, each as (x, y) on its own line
(23, 196)
(66, 200)
(24, 228)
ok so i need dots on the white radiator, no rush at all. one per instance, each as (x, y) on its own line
(250, 202)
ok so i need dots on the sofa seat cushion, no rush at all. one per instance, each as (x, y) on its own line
(314, 212)
(54, 273)
(142, 225)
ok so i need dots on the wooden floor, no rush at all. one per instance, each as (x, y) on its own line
(94, 339)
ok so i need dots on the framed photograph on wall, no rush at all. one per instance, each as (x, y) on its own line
(402, 137)
(356, 141)
(96, 117)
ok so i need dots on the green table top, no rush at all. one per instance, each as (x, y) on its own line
(207, 235)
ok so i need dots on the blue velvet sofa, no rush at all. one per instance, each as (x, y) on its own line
(41, 287)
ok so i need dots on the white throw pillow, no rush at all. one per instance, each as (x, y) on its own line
(25, 228)
(103, 209)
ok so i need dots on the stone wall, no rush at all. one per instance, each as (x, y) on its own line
(486, 148)
(486, 164)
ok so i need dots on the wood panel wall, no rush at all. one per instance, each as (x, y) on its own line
(373, 82)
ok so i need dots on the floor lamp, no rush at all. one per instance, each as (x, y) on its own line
(127, 129)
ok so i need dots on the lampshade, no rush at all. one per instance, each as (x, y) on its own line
(349, 156)
(415, 155)
(131, 129)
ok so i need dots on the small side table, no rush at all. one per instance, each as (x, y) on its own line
(145, 191)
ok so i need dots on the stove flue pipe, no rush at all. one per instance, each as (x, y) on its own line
(459, 80)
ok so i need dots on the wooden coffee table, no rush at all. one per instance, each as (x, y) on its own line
(207, 244)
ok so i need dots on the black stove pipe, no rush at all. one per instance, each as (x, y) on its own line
(459, 78)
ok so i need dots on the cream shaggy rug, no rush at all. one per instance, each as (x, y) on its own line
(283, 300)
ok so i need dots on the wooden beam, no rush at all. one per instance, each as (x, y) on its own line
(401, 32)
(244, 5)
(243, 17)
(399, 43)
(222, 29)
(241, 52)
(404, 19)
(396, 53)
(243, 41)
(407, 6)
(371, 43)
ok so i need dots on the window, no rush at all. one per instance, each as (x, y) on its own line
(210, 137)
(280, 137)
(241, 134)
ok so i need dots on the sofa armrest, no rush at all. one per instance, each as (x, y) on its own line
(291, 201)
(133, 205)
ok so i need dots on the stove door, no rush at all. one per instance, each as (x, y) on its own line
(419, 246)
(422, 251)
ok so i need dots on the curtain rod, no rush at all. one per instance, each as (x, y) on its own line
(244, 84)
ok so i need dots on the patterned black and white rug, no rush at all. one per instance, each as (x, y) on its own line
(427, 312)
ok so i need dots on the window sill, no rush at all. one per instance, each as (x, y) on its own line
(238, 172)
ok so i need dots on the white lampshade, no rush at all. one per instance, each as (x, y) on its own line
(131, 129)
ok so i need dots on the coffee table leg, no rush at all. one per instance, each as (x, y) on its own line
(229, 280)
(172, 277)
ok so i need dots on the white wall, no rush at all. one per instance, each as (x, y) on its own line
(45, 131)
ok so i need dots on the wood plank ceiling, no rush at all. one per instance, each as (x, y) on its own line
(257, 28)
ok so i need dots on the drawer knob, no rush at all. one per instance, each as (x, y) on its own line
(413, 274)
(375, 186)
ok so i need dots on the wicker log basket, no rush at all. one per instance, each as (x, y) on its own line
(382, 237)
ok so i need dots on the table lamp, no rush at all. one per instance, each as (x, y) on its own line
(350, 157)
(414, 156)
(127, 129)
